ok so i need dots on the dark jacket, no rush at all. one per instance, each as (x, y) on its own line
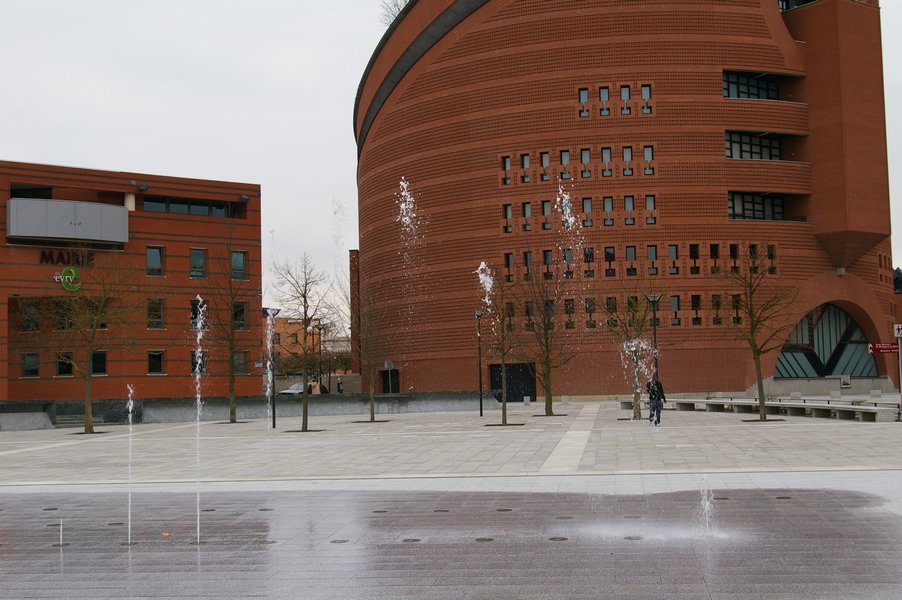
(655, 392)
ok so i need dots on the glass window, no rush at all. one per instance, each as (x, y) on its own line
(753, 146)
(507, 211)
(527, 209)
(508, 260)
(506, 163)
(64, 364)
(629, 203)
(239, 265)
(609, 253)
(631, 253)
(605, 155)
(604, 94)
(756, 86)
(239, 361)
(715, 301)
(155, 362)
(565, 157)
(154, 261)
(546, 257)
(195, 314)
(63, 316)
(155, 313)
(624, 92)
(646, 92)
(649, 203)
(649, 153)
(179, 206)
(30, 362)
(200, 208)
(696, 302)
(524, 161)
(155, 204)
(693, 251)
(627, 154)
(673, 251)
(568, 255)
(734, 251)
(584, 95)
(674, 303)
(652, 252)
(239, 315)
(545, 158)
(587, 205)
(546, 208)
(610, 304)
(714, 251)
(98, 362)
(218, 209)
(591, 305)
(197, 262)
(588, 255)
(30, 315)
(585, 156)
(608, 204)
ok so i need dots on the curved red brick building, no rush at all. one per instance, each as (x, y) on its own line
(688, 134)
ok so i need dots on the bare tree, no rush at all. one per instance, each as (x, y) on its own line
(504, 341)
(231, 298)
(94, 314)
(390, 10)
(627, 316)
(369, 343)
(761, 308)
(542, 298)
(301, 290)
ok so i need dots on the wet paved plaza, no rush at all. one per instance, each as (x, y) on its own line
(579, 506)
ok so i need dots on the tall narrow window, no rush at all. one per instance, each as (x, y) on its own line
(30, 363)
(154, 261)
(675, 308)
(585, 157)
(606, 159)
(545, 159)
(565, 163)
(587, 211)
(583, 100)
(673, 254)
(29, 313)
(239, 264)
(239, 361)
(604, 96)
(624, 100)
(155, 362)
(650, 218)
(527, 209)
(646, 99)
(629, 205)
(197, 262)
(155, 313)
(627, 160)
(608, 202)
(239, 316)
(195, 314)
(524, 164)
(98, 362)
(64, 362)
(648, 153)
(506, 167)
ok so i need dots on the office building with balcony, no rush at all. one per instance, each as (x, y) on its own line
(686, 136)
(159, 254)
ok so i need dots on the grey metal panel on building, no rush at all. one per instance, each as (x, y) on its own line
(35, 218)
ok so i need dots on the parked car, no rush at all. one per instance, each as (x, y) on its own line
(293, 389)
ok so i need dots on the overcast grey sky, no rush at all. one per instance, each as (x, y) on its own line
(259, 91)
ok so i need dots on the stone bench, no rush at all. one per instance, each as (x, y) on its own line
(717, 404)
(843, 409)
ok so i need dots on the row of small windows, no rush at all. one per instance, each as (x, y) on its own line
(655, 261)
(604, 100)
(628, 202)
(194, 206)
(197, 262)
(585, 161)
(61, 317)
(788, 4)
(156, 363)
(715, 304)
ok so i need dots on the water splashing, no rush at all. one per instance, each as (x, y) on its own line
(564, 206)
(270, 329)
(199, 367)
(130, 407)
(407, 206)
(487, 281)
(706, 507)
(637, 358)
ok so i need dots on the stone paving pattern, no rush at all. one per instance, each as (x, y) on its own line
(437, 505)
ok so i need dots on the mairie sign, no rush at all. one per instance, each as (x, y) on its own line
(69, 278)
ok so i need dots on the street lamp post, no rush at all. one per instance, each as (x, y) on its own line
(653, 299)
(319, 368)
(479, 314)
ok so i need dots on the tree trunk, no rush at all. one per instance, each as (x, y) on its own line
(546, 383)
(304, 398)
(503, 393)
(762, 409)
(233, 402)
(372, 395)
(637, 392)
(89, 405)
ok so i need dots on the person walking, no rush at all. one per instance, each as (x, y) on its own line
(656, 400)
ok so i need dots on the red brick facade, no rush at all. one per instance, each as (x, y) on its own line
(183, 218)
(476, 102)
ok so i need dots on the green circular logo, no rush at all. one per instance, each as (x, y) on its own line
(69, 278)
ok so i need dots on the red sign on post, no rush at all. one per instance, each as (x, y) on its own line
(883, 348)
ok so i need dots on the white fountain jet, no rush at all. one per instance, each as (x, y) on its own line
(486, 280)
(199, 360)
